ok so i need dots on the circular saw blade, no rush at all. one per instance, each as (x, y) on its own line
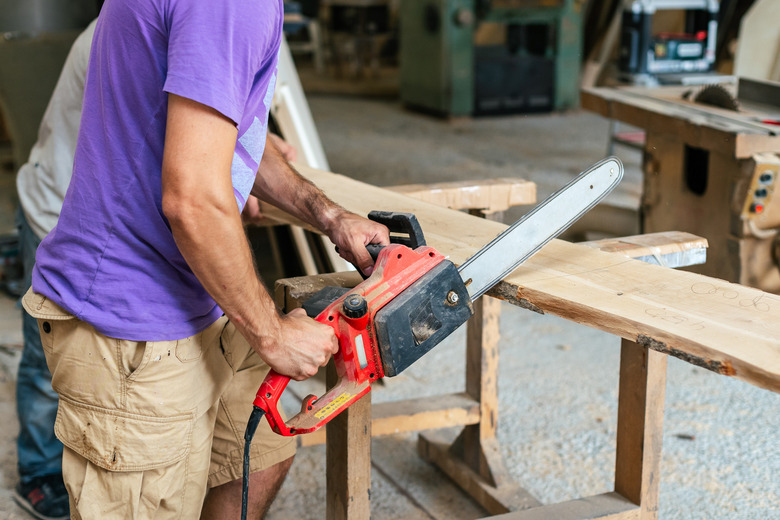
(717, 96)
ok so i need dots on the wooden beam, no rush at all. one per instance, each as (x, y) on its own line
(482, 338)
(442, 411)
(640, 427)
(290, 293)
(348, 459)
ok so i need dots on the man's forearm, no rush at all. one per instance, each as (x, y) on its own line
(278, 183)
(277, 179)
(214, 245)
(204, 217)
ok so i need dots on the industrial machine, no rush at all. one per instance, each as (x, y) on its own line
(705, 186)
(651, 57)
(484, 57)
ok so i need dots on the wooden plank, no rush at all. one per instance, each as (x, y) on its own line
(489, 195)
(609, 506)
(668, 248)
(649, 243)
(727, 328)
(640, 427)
(442, 411)
(411, 415)
(292, 292)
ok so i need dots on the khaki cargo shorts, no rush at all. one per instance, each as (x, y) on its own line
(149, 426)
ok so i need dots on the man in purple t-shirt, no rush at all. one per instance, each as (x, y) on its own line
(156, 328)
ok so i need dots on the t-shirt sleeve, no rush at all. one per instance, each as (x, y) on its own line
(215, 50)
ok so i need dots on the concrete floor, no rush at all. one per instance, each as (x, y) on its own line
(558, 380)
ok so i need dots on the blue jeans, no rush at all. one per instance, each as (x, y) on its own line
(39, 451)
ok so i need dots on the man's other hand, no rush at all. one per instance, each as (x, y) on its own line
(352, 233)
(299, 347)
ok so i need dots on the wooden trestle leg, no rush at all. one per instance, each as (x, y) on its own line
(638, 458)
(473, 460)
(348, 459)
(640, 426)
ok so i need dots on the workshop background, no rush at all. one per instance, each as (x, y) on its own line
(422, 91)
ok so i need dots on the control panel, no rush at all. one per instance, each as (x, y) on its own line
(761, 207)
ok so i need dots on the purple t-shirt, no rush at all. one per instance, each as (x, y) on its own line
(111, 260)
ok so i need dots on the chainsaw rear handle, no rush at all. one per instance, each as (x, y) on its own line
(404, 229)
(315, 411)
(374, 250)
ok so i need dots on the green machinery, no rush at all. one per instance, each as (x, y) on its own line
(482, 57)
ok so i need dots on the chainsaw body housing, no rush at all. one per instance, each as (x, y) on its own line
(420, 317)
(413, 299)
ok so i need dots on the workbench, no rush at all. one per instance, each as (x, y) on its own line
(703, 168)
(727, 328)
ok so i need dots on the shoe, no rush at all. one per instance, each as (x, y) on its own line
(44, 497)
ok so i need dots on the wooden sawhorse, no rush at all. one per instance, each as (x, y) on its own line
(473, 460)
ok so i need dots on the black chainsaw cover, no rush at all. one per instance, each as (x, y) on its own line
(420, 317)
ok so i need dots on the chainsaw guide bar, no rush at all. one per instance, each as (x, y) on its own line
(546, 221)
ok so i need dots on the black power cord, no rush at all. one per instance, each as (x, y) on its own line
(251, 426)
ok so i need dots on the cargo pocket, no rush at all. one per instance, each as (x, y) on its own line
(189, 349)
(121, 441)
(53, 320)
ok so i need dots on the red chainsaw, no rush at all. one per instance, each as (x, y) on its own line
(415, 298)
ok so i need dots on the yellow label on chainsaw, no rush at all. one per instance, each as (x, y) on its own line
(333, 405)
